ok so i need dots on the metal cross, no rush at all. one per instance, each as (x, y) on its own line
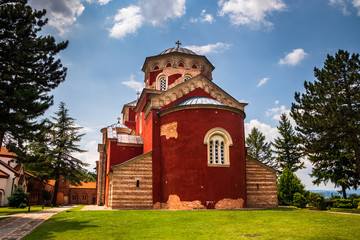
(178, 43)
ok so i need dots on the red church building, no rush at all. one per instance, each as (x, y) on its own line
(181, 145)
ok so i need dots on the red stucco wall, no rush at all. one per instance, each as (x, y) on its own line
(184, 169)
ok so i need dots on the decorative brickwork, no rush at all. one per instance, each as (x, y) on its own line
(261, 187)
(174, 203)
(169, 130)
(131, 184)
(229, 203)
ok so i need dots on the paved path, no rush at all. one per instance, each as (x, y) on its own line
(94, 207)
(18, 225)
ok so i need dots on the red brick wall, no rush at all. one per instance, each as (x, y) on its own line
(82, 196)
(184, 168)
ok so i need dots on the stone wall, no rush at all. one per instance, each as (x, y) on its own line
(261, 187)
(131, 184)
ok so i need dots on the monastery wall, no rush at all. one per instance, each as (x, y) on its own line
(261, 187)
(131, 184)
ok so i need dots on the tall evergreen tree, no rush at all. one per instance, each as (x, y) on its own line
(28, 71)
(328, 118)
(286, 147)
(259, 149)
(64, 141)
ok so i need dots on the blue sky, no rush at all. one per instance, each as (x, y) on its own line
(262, 50)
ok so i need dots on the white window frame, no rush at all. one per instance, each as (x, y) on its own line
(218, 142)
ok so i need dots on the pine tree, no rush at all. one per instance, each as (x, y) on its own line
(327, 115)
(286, 147)
(288, 185)
(64, 141)
(28, 72)
(259, 149)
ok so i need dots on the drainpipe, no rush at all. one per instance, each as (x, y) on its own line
(12, 186)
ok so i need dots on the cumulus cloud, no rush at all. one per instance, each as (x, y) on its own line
(137, 86)
(263, 81)
(91, 155)
(250, 12)
(62, 14)
(204, 17)
(294, 57)
(269, 132)
(127, 20)
(344, 5)
(210, 48)
(276, 112)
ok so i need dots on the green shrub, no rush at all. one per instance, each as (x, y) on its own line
(353, 196)
(343, 203)
(22, 205)
(358, 206)
(18, 196)
(299, 200)
(356, 202)
(287, 186)
(317, 200)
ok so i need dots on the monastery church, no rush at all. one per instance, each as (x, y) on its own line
(181, 145)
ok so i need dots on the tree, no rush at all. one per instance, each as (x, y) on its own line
(64, 141)
(327, 115)
(18, 197)
(287, 146)
(288, 185)
(258, 148)
(28, 72)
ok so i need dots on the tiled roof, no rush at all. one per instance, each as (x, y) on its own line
(8, 167)
(129, 139)
(179, 50)
(85, 185)
(4, 174)
(5, 152)
(198, 101)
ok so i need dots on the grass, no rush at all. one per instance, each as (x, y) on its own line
(4, 211)
(346, 210)
(281, 223)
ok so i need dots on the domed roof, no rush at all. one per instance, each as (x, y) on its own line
(179, 50)
(197, 101)
(117, 125)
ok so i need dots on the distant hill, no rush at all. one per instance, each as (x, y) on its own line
(330, 193)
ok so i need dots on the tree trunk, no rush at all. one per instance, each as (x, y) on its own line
(56, 189)
(344, 191)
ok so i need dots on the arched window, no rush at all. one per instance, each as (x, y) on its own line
(187, 77)
(218, 141)
(168, 65)
(162, 84)
(181, 65)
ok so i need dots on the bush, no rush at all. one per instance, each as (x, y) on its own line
(288, 185)
(353, 196)
(18, 196)
(358, 206)
(22, 205)
(343, 203)
(356, 202)
(299, 200)
(317, 200)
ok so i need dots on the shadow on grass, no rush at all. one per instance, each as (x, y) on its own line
(58, 226)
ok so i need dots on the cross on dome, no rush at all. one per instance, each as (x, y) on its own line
(178, 43)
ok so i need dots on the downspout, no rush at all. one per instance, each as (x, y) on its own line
(12, 186)
(101, 202)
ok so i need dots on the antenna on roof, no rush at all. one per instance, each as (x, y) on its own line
(137, 94)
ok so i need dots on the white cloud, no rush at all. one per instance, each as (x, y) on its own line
(276, 112)
(103, 2)
(277, 102)
(294, 57)
(250, 12)
(127, 20)
(263, 81)
(269, 132)
(204, 17)
(343, 4)
(91, 155)
(210, 48)
(137, 86)
(62, 14)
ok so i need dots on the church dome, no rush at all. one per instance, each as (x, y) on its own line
(117, 125)
(178, 50)
(197, 101)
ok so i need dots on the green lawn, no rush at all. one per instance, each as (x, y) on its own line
(10, 210)
(282, 223)
(346, 210)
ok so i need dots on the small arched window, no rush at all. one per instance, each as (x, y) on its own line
(163, 84)
(181, 65)
(218, 141)
(194, 66)
(156, 68)
(187, 77)
(168, 65)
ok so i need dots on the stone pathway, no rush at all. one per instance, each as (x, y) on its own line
(18, 225)
(94, 207)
